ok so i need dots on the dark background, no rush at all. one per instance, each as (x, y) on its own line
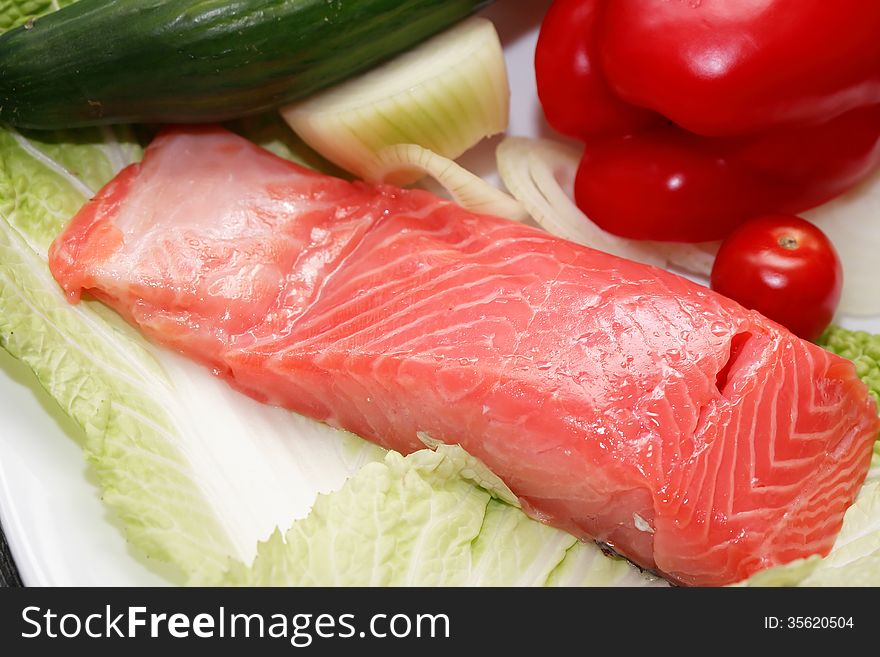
(502, 621)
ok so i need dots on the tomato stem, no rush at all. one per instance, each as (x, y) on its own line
(788, 242)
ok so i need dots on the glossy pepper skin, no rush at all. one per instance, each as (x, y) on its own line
(700, 115)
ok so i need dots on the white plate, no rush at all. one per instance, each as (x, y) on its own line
(58, 530)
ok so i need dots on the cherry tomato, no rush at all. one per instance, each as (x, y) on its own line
(783, 267)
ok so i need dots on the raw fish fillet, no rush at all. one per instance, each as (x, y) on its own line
(620, 402)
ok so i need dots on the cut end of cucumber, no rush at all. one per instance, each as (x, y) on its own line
(445, 95)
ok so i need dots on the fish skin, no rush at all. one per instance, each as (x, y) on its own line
(603, 392)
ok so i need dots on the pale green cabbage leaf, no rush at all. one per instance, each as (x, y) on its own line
(420, 521)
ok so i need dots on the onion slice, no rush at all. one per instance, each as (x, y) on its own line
(465, 188)
(446, 95)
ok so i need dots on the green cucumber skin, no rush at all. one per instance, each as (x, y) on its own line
(190, 61)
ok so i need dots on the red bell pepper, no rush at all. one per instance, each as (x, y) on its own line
(700, 115)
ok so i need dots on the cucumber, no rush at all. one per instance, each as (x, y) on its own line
(184, 61)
